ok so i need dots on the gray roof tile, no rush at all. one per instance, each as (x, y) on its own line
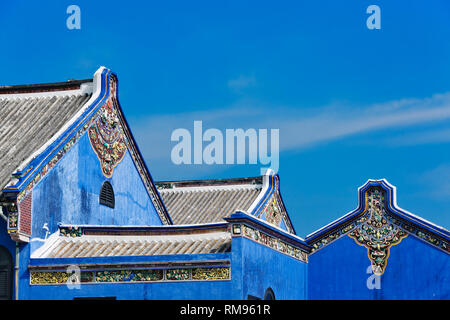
(208, 201)
(28, 122)
(113, 246)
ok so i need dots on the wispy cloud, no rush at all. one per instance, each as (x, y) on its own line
(424, 137)
(438, 182)
(339, 122)
(242, 82)
(300, 128)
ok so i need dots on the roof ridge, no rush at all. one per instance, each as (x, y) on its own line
(209, 182)
(43, 87)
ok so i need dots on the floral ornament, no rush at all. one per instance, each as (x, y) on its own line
(12, 222)
(274, 243)
(177, 274)
(48, 277)
(211, 273)
(106, 136)
(273, 212)
(70, 231)
(132, 276)
(377, 233)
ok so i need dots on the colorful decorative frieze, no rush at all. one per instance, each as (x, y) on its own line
(148, 275)
(12, 222)
(13, 217)
(133, 276)
(377, 233)
(106, 134)
(378, 229)
(332, 236)
(178, 274)
(274, 211)
(70, 231)
(211, 273)
(420, 233)
(48, 277)
(272, 242)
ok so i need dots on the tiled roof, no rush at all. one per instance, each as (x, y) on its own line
(30, 115)
(135, 245)
(206, 201)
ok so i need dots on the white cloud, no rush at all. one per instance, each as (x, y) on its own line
(300, 128)
(438, 181)
(339, 122)
(424, 137)
(242, 82)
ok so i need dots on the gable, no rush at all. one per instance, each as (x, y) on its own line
(105, 130)
(269, 206)
(378, 224)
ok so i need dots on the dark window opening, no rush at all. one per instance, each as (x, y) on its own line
(269, 295)
(6, 274)
(107, 195)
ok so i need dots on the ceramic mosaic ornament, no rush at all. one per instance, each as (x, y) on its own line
(211, 274)
(377, 233)
(274, 211)
(106, 136)
(119, 276)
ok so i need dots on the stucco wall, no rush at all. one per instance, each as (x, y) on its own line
(69, 194)
(264, 268)
(415, 270)
(5, 239)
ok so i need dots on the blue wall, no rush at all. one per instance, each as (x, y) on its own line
(69, 194)
(254, 269)
(415, 270)
(5, 239)
(262, 268)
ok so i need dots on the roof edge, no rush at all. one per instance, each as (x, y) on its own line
(43, 87)
(241, 216)
(28, 167)
(391, 200)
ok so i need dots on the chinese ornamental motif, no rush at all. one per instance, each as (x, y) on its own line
(273, 212)
(376, 232)
(106, 136)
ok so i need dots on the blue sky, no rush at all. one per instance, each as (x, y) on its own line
(350, 103)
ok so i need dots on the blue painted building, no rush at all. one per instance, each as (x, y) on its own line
(82, 218)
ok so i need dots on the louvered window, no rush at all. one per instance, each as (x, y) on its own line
(5, 274)
(107, 195)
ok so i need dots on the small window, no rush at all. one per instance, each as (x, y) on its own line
(269, 295)
(107, 195)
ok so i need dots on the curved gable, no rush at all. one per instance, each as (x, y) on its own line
(378, 224)
(102, 120)
(269, 205)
